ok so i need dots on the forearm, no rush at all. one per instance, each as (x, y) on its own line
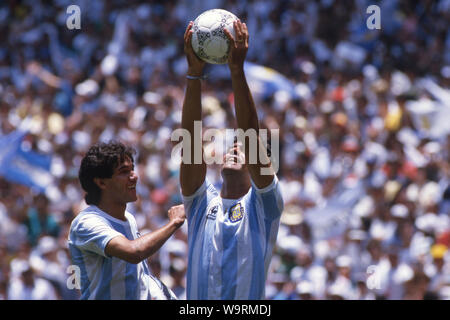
(247, 118)
(246, 115)
(192, 105)
(49, 78)
(148, 244)
(193, 168)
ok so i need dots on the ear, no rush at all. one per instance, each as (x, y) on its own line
(100, 183)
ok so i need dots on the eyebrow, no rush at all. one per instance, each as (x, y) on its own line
(124, 166)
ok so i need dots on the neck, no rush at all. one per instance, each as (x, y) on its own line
(113, 209)
(234, 188)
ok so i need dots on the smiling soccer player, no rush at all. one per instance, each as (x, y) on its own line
(104, 241)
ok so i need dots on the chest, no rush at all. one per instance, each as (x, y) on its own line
(232, 215)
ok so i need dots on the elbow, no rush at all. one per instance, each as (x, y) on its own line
(133, 259)
(135, 255)
(124, 249)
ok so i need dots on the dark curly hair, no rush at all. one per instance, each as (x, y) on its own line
(100, 162)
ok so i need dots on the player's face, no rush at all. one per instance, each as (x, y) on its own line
(122, 185)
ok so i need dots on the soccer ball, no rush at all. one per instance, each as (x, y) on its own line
(209, 41)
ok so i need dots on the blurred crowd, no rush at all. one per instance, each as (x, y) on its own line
(364, 141)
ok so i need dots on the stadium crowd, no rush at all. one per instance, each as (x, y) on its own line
(364, 136)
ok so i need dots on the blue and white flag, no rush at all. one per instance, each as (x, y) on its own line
(25, 167)
(265, 82)
(430, 116)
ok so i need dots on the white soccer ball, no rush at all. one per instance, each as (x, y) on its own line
(209, 41)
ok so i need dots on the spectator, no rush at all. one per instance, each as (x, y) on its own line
(40, 221)
(30, 287)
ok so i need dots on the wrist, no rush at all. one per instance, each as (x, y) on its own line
(237, 69)
(196, 78)
(195, 72)
(176, 223)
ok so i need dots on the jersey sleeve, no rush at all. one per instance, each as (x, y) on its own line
(92, 233)
(197, 201)
(270, 198)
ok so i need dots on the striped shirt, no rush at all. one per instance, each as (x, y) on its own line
(104, 277)
(231, 242)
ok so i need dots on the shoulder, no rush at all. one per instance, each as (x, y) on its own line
(268, 200)
(89, 218)
(274, 185)
(90, 213)
(206, 188)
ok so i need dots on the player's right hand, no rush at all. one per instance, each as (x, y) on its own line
(195, 65)
(177, 215)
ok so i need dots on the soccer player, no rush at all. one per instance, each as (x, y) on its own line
(104, 241)
(232, 231)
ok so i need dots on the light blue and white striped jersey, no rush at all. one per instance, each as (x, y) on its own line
(104, 277)
(231, 242)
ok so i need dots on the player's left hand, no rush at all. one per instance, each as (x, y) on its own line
(238, 45)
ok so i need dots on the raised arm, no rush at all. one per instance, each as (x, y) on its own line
(47, 77)
(192, 175)
(246, 115)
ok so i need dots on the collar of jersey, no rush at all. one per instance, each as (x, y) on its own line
(228, 203)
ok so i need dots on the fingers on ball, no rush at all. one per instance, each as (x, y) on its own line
(189, 26)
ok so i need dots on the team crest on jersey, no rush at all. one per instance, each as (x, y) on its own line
(236, 212)
(212, 212)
